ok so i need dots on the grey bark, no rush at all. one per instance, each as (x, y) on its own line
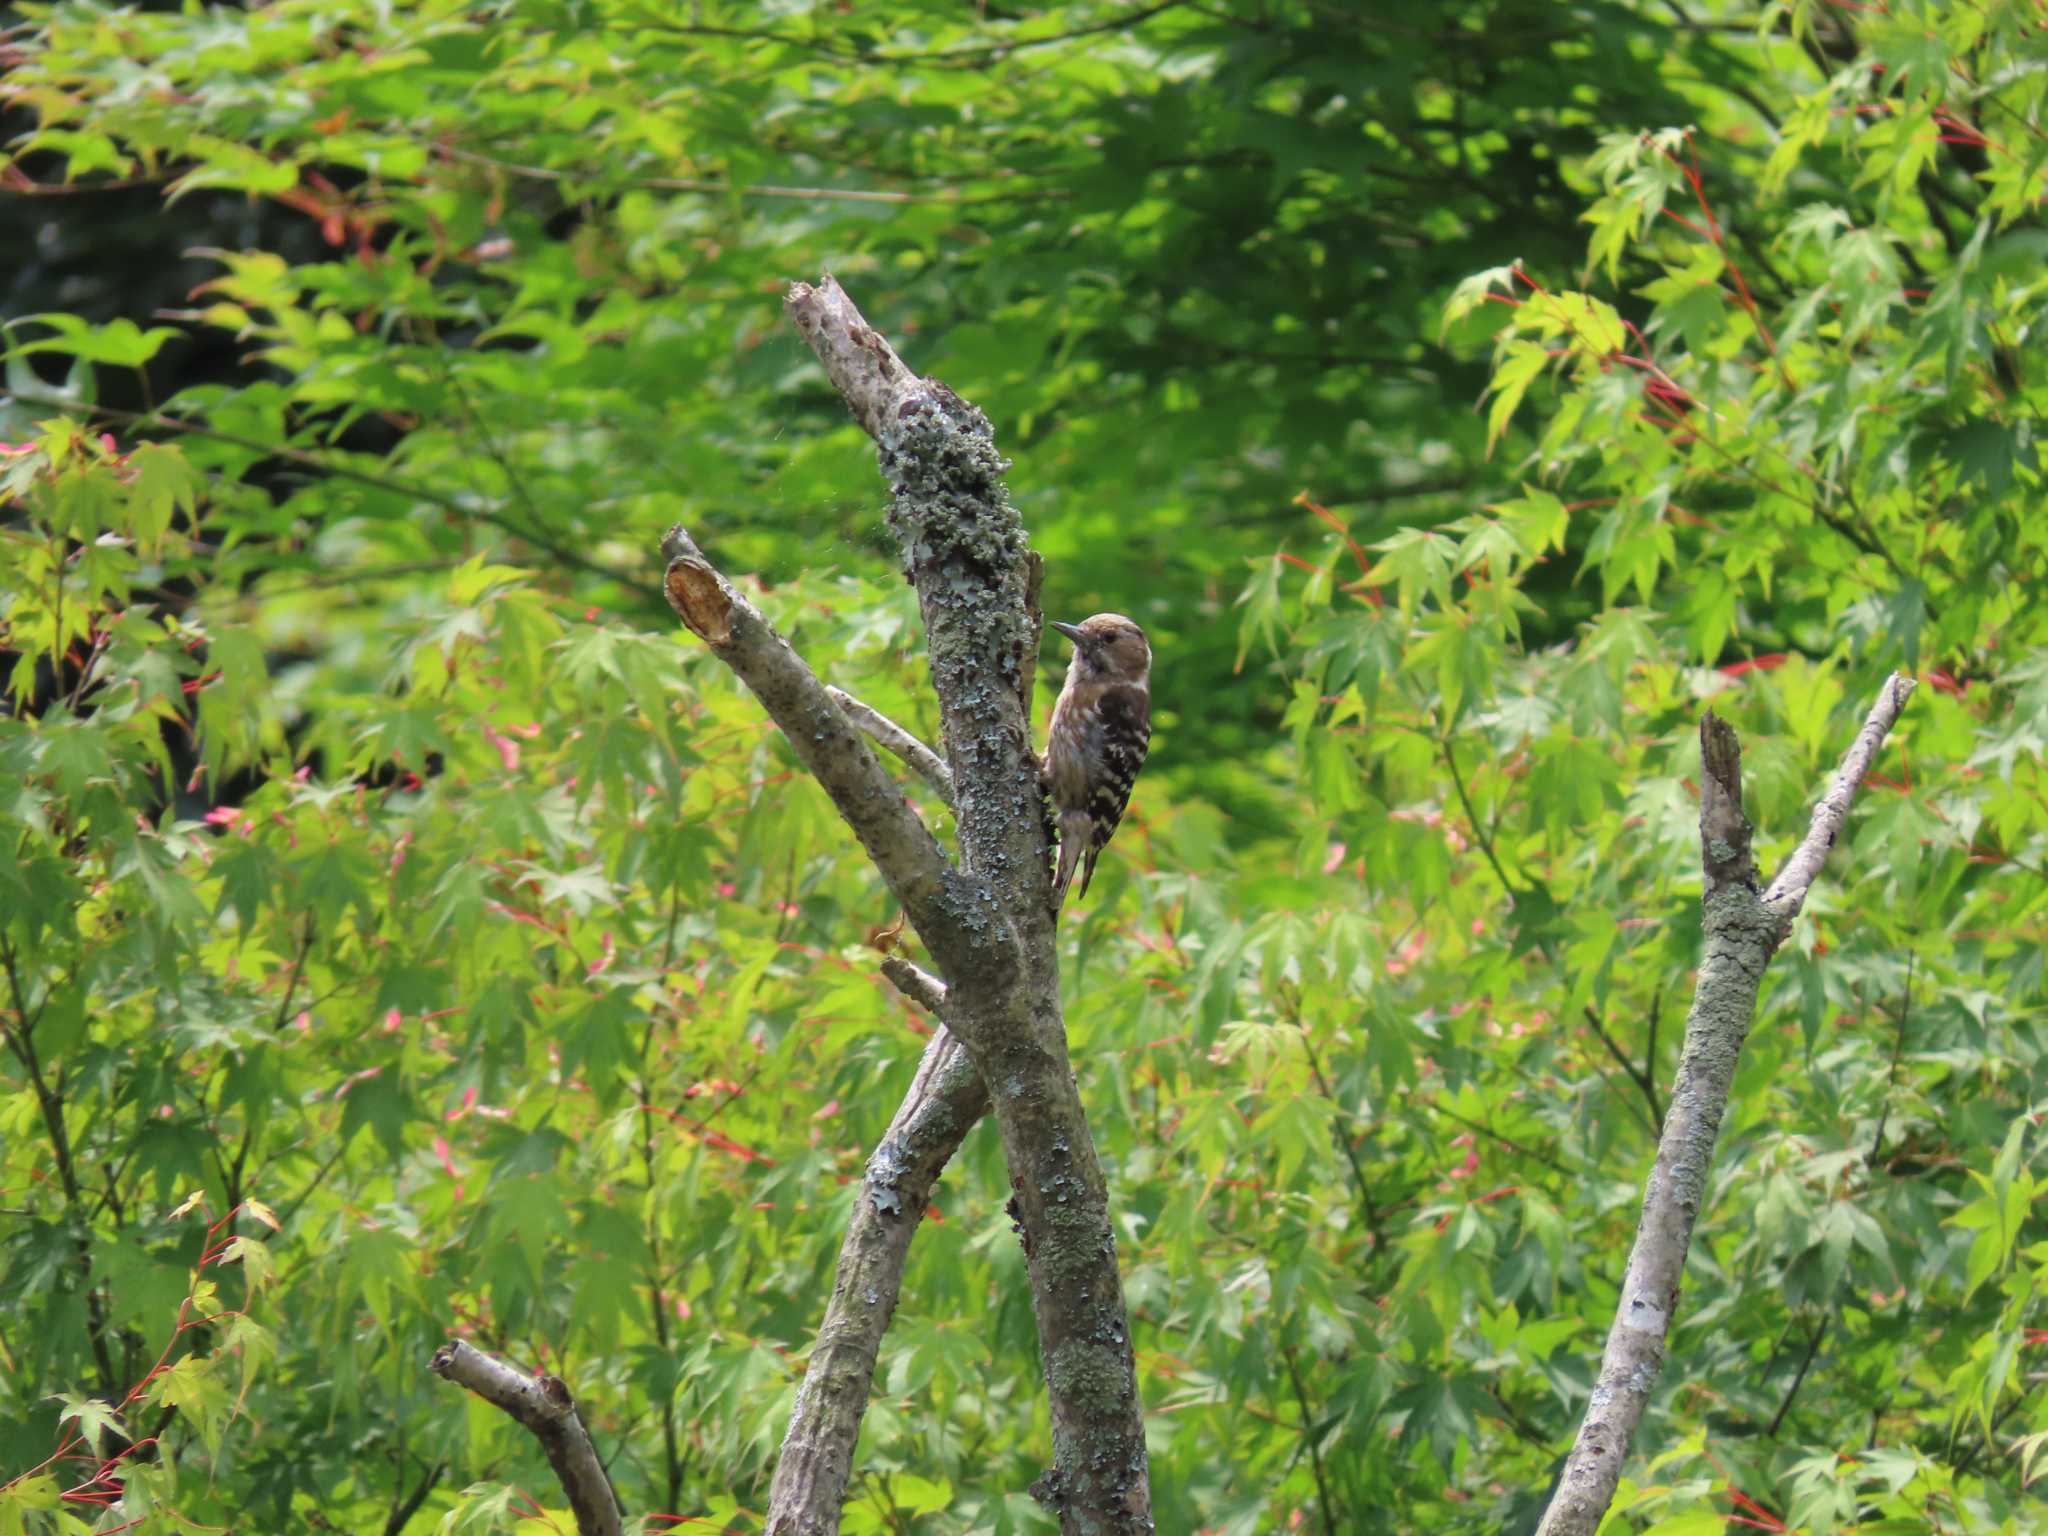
(945, 1099)
(987, 922)
(543, 1405)
(943, 1104)
(1744, 928)
(917, 873)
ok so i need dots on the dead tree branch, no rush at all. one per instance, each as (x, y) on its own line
(902, 848)
(986, 922)
(543, 1405)
(944, 1102)
(1743, 930)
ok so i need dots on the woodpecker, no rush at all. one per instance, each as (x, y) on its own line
(1101, 726)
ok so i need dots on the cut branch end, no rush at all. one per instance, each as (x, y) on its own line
(699, 599)
(1724, 830)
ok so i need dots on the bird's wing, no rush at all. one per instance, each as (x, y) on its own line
(1126, 734)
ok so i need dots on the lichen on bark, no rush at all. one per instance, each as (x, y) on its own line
(990, 928)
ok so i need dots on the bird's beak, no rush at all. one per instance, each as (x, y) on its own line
(1071, 631)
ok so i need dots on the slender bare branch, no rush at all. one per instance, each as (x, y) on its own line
(872, 804)
(898, 743)
(1743, 930)
(945, 1100)
(916, 983)
(1788, 891)
(543, 1405)
(405, 1505)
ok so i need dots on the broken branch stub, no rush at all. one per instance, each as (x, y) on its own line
(699, 599)
(863, 367)
(1724, 830)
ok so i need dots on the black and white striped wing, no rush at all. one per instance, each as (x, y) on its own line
(1124, 721)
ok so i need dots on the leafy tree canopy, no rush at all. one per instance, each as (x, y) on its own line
(404, 932)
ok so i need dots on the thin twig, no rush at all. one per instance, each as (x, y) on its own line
(565, 554)
(657, 1295)
(1516, 1147)
(11, 180)
(1654, 1122)
(404, 1509)
(899, 743)
(21, 1038)
(1812, 1348)
(284, 1217)
(1650, 1051)
(971, 56)
(743, 189)
(1368, 1208)
(1891, 1079)
(1308, 1437)
(231, 1181)
(1478, 831)
(1989, 1442)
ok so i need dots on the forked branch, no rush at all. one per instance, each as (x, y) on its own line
(986, 921)
(977, 586)
(1743, 930)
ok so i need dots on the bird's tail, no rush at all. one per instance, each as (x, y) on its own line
(1075, 827)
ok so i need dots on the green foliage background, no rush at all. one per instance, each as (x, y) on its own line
(405, 931)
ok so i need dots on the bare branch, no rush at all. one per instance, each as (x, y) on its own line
(1743, 930)
(543, 1405)
(1788, 891)
(945, 1100)
(888, 827)
(872, 380)
(964, 550)
(915, 983)
(899, 743)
